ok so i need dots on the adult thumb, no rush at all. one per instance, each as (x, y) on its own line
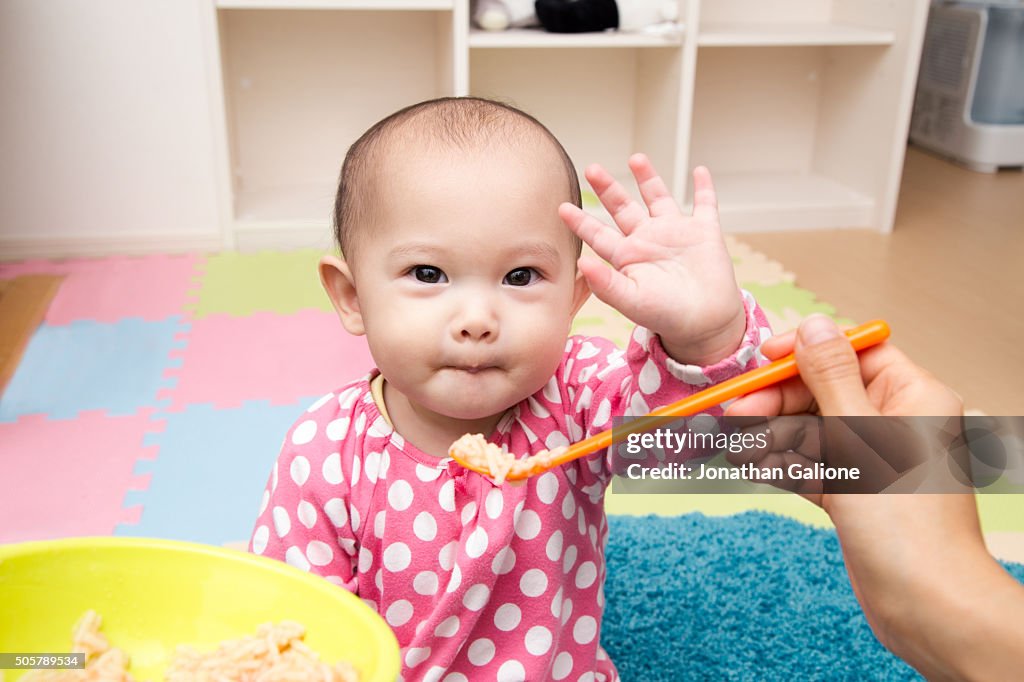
(830, 369)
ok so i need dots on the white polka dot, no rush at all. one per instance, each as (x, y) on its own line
(481, 651)
(504, 561)
(562, 666)
(427, 474)
(538, 410)
(448, 627)
(587, 677)
(319, 553)
(468, 513)
(604, 412)
(338, 429)
(581, 521)
(273, 477)
(331, 469)
(282, 523)
(425, 527)
(378, 524)
(356, 466)
(385, 464)
(455, 580)
(585, 630)
(296, 558)
(551, 392)
(425, 583)
(378, 578)
(600, 596)
(433, 675)
(446, 557)
(416, 655)
(365, 560)
(400, 495)
(569, 558)
(379, 428)
(353, 518)
(397, 557)
(446, 496)
(566, 610)
(507, 617)
(360, 423)
(556, 604)
(304, 433)
(476, 597)
(319, 403)
(587, 350)
(555, 439)
(586, 575)
(533, 583)
(528, 525)
(264, 501)
(538, 640)
(371, 466)
(494, 503)
(455, 677)
(554, 546)
(476, 544)
(336, 511)
(348, 545)
(259, 539)
(568, 505)
(650, 378)
(586, 396)
(547, 487)
(306, 513)
(592, 534)
(511, 671)
(299, 470)
(398, 613)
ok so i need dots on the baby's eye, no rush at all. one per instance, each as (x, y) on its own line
(428, 274)
(521, 277)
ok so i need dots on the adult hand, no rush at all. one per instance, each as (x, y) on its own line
(917, 563)
(669, 272)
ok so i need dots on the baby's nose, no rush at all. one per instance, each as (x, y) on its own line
(477, 321)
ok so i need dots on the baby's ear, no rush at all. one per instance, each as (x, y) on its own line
(581, 292)
(340, 286)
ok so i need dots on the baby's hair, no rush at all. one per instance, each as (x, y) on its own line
(460, 122)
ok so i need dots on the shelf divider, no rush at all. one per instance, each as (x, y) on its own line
(538, 38)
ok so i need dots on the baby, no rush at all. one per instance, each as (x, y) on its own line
(458, 266)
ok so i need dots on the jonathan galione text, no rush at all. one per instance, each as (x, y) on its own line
(676, 442)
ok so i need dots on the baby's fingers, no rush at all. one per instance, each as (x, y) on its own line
(624, 210)
(705, 200)
(652, 188)
(608, 284)
(601, 238)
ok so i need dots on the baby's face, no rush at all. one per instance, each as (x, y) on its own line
(466, 281)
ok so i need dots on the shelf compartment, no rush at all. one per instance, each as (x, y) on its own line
(375, 5)
(729, 34)
(538, 38)
(776, 201)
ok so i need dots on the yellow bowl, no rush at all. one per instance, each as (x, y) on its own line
(156, 594)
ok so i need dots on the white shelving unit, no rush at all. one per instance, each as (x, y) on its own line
(799, 107)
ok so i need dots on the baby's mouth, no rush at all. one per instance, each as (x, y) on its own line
(473, 368)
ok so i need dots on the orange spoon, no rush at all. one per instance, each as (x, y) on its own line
(866, 335)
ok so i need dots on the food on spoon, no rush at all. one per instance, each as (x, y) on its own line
(475, 450)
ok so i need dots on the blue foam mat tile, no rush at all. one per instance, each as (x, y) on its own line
(116, 367)
(212, 466)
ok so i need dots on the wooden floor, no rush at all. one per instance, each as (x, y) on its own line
(949, 279)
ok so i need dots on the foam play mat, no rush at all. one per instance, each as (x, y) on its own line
(153, 398)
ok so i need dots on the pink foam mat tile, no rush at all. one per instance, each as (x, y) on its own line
(109, 289)
(265, 356)
(69, 478)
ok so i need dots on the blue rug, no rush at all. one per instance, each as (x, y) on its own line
(747, 597)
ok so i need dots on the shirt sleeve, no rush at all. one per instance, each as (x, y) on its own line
(307, 518)
(603, 382)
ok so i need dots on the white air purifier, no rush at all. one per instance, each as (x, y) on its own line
(970, 88)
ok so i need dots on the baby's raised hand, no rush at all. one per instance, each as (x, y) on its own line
(669, 272)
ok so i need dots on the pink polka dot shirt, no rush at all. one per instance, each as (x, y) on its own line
(478, 582)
